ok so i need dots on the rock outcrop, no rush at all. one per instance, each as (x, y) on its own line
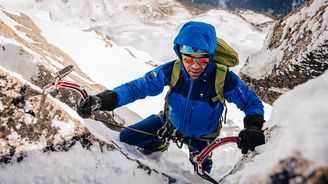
(295, 51)
(26, 128)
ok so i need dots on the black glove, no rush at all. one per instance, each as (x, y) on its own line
(85, 108)
(252, 135)
(106, 100)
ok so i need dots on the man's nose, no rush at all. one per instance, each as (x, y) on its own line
(196, 65)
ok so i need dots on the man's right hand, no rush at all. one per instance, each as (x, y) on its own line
(85, 108)
(105, 101)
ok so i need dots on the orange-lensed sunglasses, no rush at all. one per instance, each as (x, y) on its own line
(189, 59)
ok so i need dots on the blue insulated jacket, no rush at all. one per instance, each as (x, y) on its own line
(191, 109)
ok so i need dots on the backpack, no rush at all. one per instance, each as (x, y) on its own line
(224, 57)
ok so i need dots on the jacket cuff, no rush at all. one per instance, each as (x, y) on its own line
(254, 120)
(109, 100)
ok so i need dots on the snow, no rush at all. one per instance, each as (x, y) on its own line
(304, 107)
(159, 38)
(13, 136)
(104, 62)
(13, 59)
(65, 128)
(1, 106)
(240, 35)
(13, 24)
(279, 90)
(2, 83)
(88, 167)
(29, 119)
(253, 17)
(263, 64)
(174, 161)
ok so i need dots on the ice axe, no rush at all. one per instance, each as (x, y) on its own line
(57, 82)
(199, 159)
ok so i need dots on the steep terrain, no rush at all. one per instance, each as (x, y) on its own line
(296, 50)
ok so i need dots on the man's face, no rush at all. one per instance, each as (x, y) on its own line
(195, 64)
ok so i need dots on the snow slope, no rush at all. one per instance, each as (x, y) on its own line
(300, 132)
(241, 35)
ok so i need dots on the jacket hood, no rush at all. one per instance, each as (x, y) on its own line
(200, 35)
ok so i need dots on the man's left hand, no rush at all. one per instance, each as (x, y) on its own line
(252, 135)
(249, 138)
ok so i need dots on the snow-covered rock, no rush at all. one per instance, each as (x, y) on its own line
(295, 51)
(36, 136)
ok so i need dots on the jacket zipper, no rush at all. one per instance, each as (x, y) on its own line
(187, 103)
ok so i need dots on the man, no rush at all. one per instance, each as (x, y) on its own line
(190, 110)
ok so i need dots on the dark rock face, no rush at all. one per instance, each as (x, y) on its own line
(297, 170)
(299, 43)
(276, 8)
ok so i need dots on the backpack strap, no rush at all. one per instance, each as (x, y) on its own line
(175, 74)
(174, 80)
(221, 72)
